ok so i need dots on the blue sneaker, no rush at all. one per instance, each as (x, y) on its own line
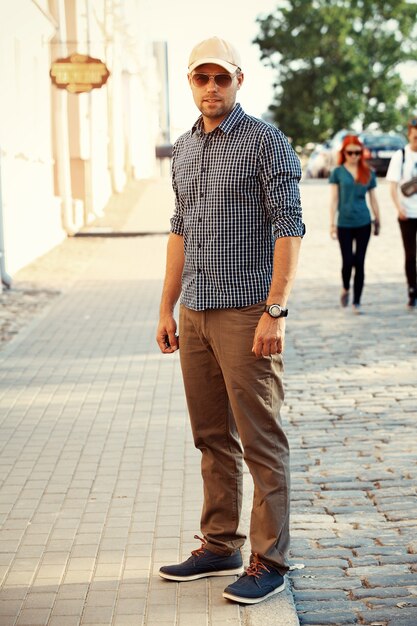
(256, 584)
(203, 563)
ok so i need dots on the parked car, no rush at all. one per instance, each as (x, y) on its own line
(318, 162)
(379, 148)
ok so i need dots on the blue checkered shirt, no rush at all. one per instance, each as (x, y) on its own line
(236, 192)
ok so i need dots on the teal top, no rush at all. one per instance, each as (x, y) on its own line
(352, 208)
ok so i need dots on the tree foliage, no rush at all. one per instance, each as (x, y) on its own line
(337, 62)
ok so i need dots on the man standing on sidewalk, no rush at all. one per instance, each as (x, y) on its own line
(232, 255)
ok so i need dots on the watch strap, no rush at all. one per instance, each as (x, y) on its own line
(284, 312)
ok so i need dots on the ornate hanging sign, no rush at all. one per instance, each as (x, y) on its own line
(79, 73)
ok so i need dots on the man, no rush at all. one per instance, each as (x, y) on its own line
(403, 167)
(232, 255)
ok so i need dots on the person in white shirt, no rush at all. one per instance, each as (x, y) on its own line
(402, 168)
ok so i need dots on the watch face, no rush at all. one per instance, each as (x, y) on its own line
(275, 310)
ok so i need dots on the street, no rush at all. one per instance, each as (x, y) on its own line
(351, 407)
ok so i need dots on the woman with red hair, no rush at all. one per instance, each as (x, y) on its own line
(349, 183)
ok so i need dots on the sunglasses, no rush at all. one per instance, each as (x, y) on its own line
(413, 122)
(353, 152)
(221, 80)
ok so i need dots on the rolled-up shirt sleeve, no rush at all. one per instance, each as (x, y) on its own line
(394, 172)
(177, 220)
(280, 173)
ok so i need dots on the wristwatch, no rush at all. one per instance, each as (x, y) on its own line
(276, 310)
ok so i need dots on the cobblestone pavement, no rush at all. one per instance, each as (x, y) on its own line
(100, 480)
(351, 408)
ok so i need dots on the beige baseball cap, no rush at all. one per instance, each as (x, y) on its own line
(215, 50)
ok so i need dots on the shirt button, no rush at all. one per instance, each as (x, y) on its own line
(199, 219)
(201, 195)
(199, 270)
(199, 245)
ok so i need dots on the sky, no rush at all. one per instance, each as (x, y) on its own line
(183, 23)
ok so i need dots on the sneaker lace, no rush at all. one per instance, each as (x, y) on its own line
(255, 567)
(200, 550)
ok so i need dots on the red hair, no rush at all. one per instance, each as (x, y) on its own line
(364, 172)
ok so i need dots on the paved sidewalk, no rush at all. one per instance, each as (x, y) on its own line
(100, 479)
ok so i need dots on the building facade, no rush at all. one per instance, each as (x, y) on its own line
(63, 154)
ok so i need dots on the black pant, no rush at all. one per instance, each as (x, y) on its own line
(409, 234)
(353, 243)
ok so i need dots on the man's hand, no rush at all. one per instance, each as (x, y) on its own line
(166, 338)
(269, 336)
(401, 213)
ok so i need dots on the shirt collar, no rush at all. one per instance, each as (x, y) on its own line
(227, 125)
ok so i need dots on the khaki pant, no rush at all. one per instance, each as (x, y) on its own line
(234, 402)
